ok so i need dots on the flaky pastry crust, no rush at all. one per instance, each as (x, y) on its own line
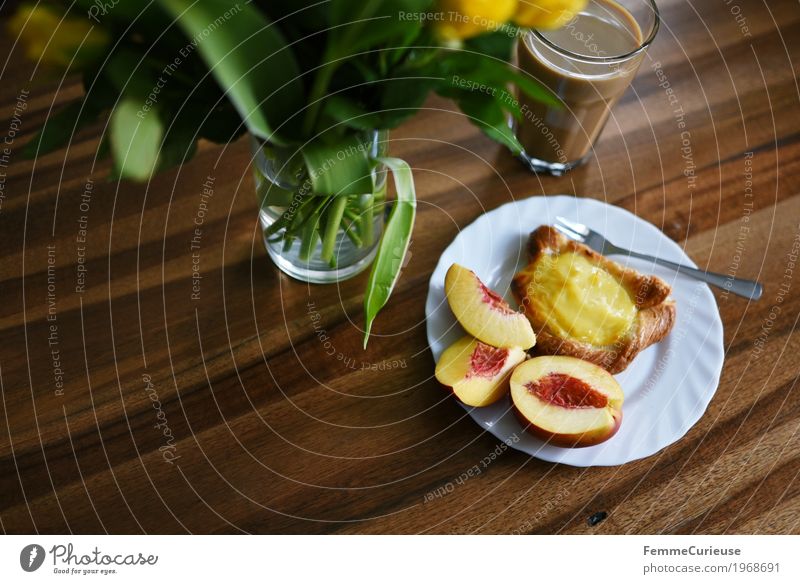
(655, 314)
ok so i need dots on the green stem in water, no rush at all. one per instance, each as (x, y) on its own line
(310, 232)
(352, 216)
(288, 218)
(351, 233)
(309, 237)
(332, 226)
(366, 228)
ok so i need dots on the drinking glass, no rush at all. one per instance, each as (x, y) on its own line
(588, 64)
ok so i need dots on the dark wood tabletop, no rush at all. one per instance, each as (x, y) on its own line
(130, 406)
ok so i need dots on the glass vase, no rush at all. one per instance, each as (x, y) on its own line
(318, 253)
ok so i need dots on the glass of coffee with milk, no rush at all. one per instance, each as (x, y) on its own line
(587, 64)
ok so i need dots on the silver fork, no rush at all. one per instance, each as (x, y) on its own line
(600, 244)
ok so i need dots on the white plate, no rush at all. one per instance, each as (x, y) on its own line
(667, 387)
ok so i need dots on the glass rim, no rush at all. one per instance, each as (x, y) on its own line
(611, 58)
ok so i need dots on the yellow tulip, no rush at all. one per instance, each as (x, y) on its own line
(462, 19)
(547, 13)
(54, 40)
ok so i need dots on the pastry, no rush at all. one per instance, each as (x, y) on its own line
(581, 304)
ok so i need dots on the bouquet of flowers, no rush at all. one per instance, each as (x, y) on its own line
(313, 81)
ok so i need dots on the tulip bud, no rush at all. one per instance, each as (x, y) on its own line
(462, 19)
(547, 14)
(56, 40)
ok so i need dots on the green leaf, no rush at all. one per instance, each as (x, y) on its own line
(533, 88)
(179, 145)
(407, 93)
(347, 111)
(129, 72)
(354, 28)
(498, 44)
(501, 96)
(394, 243)
(249, 58)
(373, 23)
(272, 195)
(481, 70)
(220, 125)
(135, 140)
(487, 114)
(305, 15)
(479, 84)
(341, 167)
(401, 98)
(402, 47)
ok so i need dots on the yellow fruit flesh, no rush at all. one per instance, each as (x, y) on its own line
(483, 313)
(476, 387)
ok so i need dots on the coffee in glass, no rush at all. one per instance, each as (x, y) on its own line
(587, 64)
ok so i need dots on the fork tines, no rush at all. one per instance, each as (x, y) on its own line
(572, 226)
(568, 232)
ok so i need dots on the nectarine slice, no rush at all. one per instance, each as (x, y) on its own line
(483, 313)
(567, 401)
(476, 372)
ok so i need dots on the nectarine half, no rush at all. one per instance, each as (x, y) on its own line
(567, 401)
(476, 372)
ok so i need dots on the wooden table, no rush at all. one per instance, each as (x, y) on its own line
(129, 407)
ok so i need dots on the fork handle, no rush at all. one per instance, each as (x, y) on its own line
(740, 287)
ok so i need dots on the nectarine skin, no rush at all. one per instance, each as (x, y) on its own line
(570, 440)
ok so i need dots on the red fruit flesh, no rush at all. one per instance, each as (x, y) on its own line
(567, 392)
(486, 361)
(494, 300)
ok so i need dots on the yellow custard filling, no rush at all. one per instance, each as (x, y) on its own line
(580, 300)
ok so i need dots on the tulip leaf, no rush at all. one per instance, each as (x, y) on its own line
(482, 70)
(371, 24)
(394, 243)
(129, 72)
(347, 111)
(498, 44)
(135, 140)
(248, 57)
(488, 115)
(339, 168)
(179, 144)
(271, 195)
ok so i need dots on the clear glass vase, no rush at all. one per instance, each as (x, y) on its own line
(283, 189)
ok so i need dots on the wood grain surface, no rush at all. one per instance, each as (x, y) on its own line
(128, 406)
